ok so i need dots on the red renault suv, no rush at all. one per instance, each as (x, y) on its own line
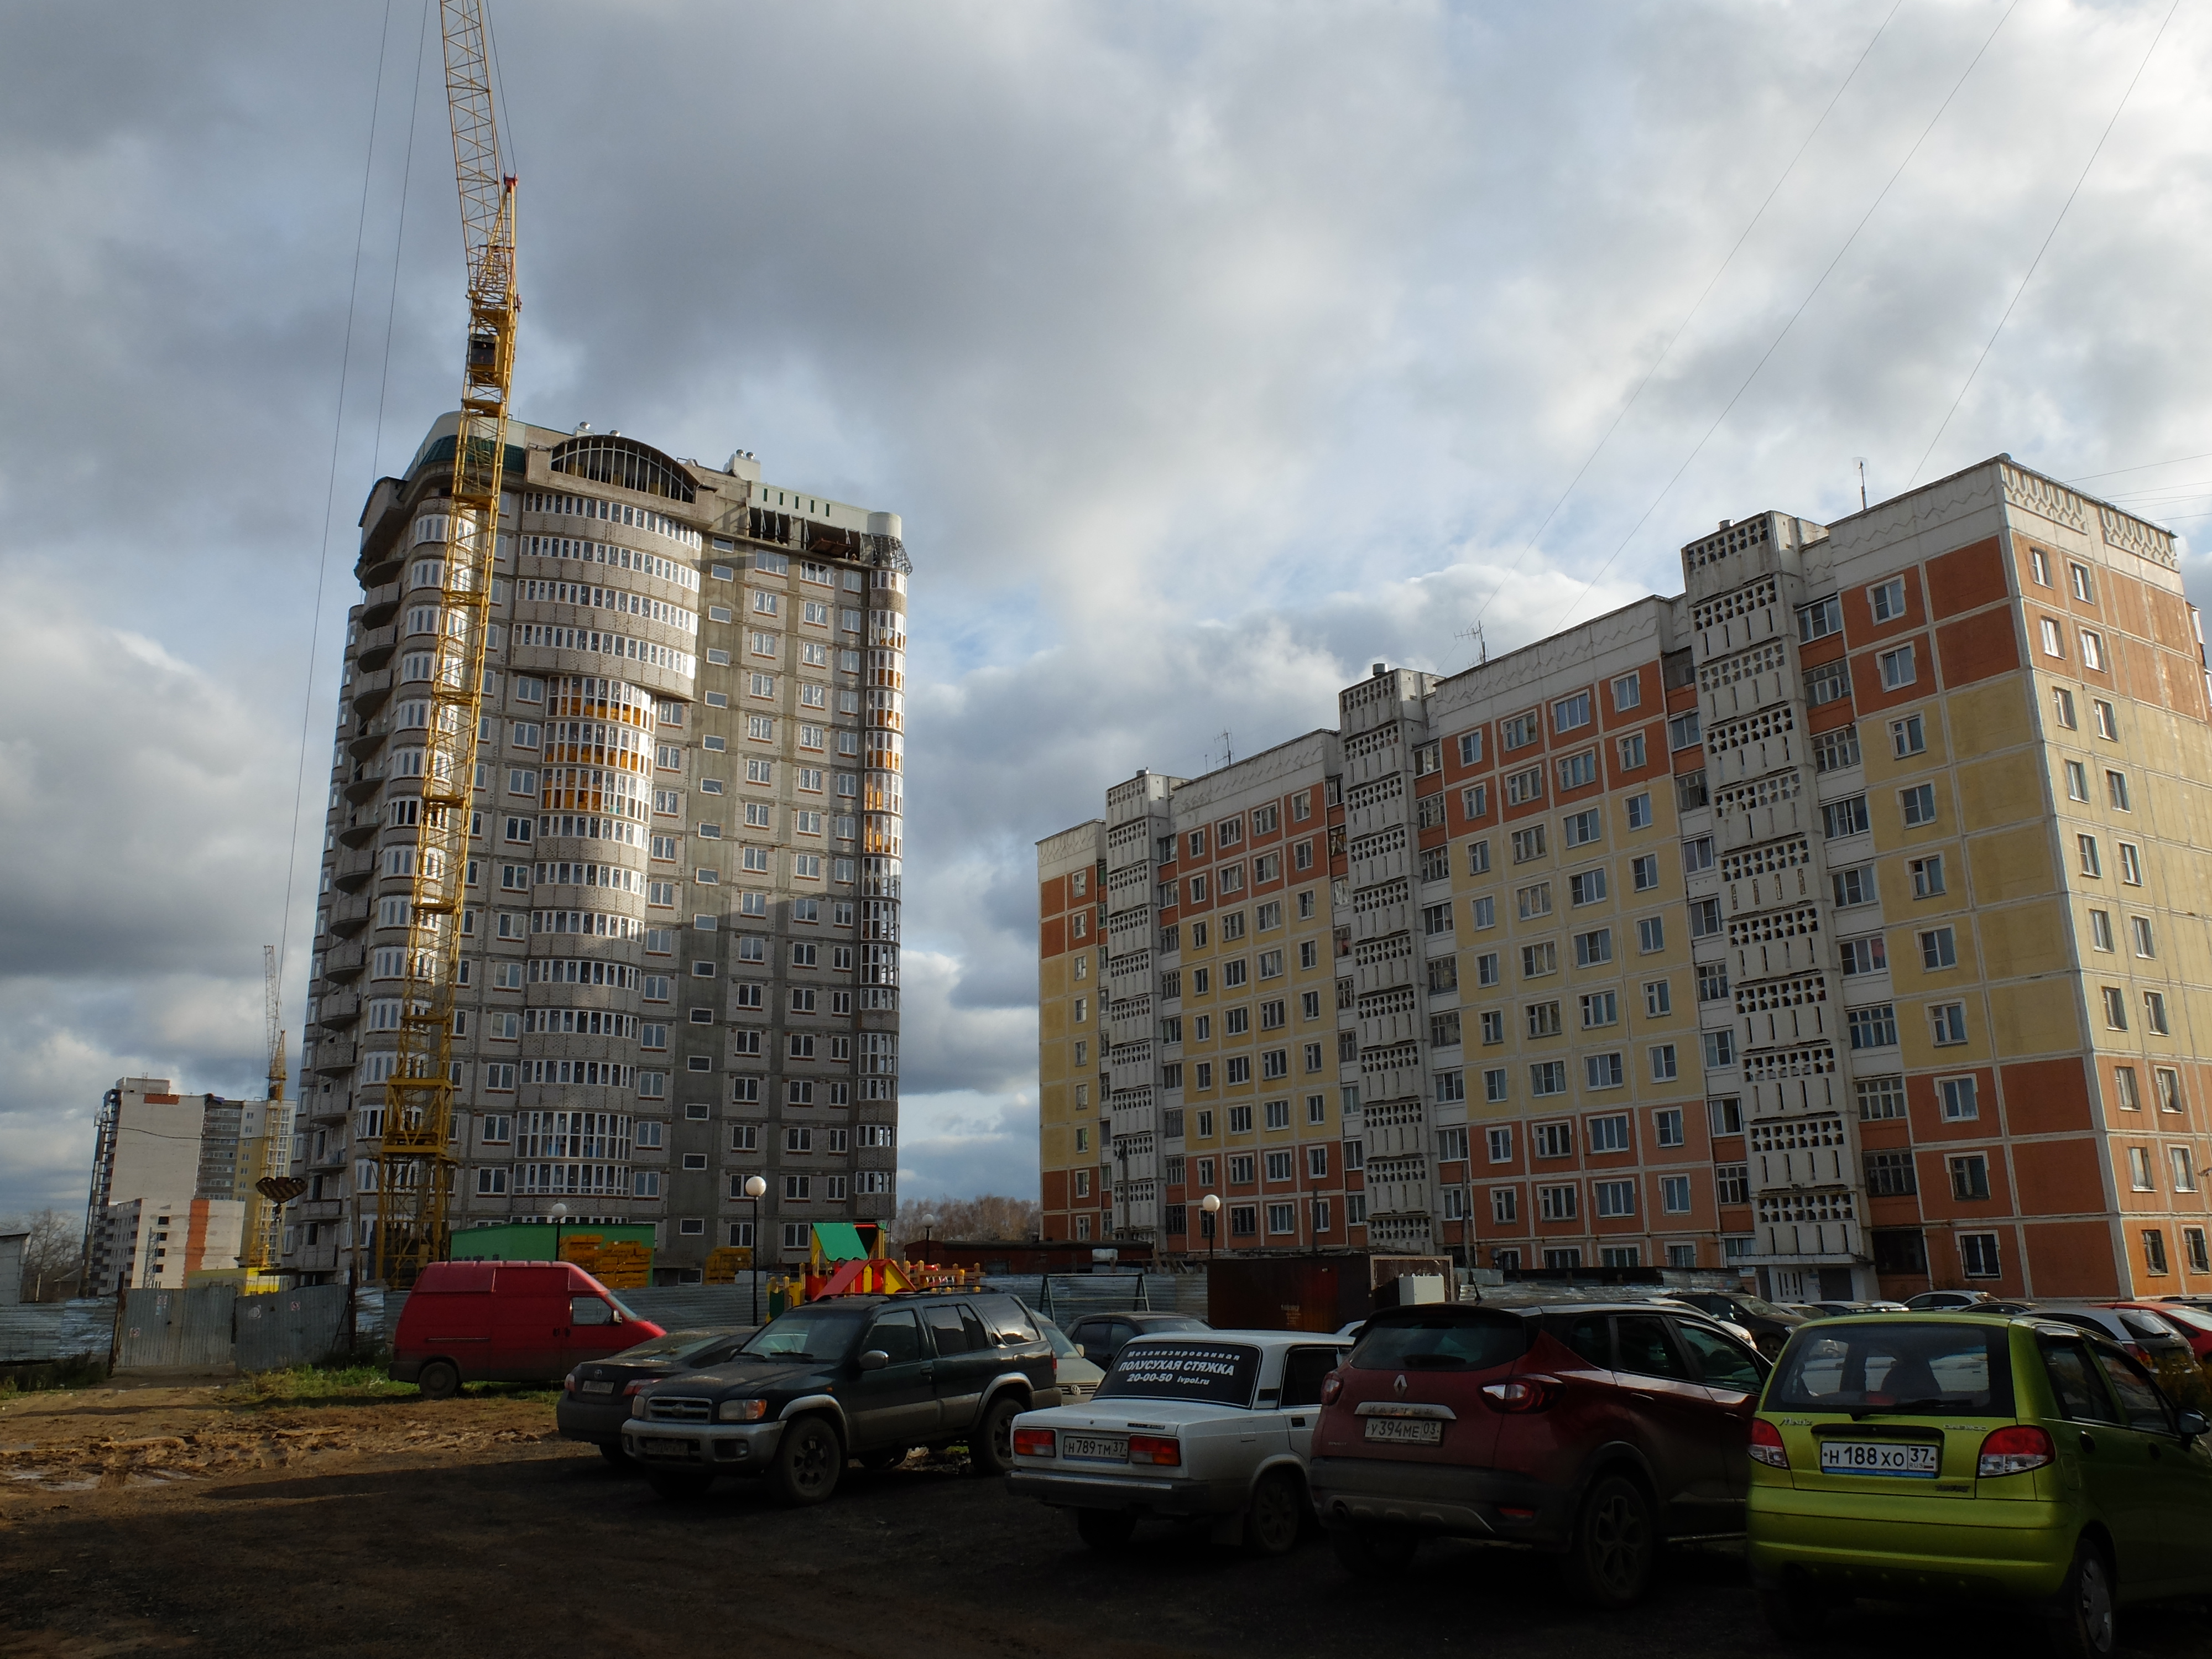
(1596, 1432)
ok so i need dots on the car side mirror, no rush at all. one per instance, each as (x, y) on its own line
(874, 1360)
(2190, 1425)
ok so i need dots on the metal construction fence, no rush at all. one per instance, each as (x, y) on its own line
(212, 1327)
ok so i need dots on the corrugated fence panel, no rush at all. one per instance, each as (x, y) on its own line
(697, 1307)
(290, 1327)
(37, 1332)
(169, 1330)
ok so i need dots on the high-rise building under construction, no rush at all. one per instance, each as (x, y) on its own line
(1836, 920)
(680, 957)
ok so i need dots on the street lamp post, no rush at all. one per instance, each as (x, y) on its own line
(560, 1214)
(1211, 1206)
(755, 1187)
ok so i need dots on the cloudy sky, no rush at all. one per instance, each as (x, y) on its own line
(1210, 351)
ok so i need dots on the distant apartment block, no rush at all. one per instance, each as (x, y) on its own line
(1835, 921)
(170, 1176)
(680, 953)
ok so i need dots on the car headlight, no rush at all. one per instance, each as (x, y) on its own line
(637, 1405)
(742, 1411)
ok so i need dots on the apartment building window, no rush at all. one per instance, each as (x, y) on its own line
(1555, 1139)
(1978, 1254)
(2181, 1167)
(1682, 731)
(1908, 735)
(1519, 731)
(1586, 887)
(1483, 912)
(1640, 811)
(1917, 805)
(1594, 949)
(2154, 1012)
(2053, 641)
(1643, 872)
(1720, 1049)
(1555, 1204)
(2131, 864)
(2146, 941)
(1970, 1176)
(1880, 1098)
(1833, 751)
(1470, 747)
(1435, 919)
(2124, 1089)
(1886, 599)
(1956, 1097)
(2139, 1170)
(1873, 1027)
(1898, 668)
(2155, 1250)
(2061, 707)
(1580, 829)
(2077, 781)
(1578, 771)
(1485, 968)
(2169, 1089)
(1543, 1019)
(1666, 1127)
(1866, 955)
(2039, 566)
(1890, 1175)
(1847, 816)
(1529, 844)
(1524, 786)
(2116, 791)
(1939, 949)
(1948, 1020)
(2116, 1007)
(1705, 918)
(1627, 693)
(1630, 749)
(1505, 1205)
(1500, 1142)
(1494, 1084)
(1927, 875)
(1601, 1071)
(1732, 1183)
(2108, 724)
(2092, 649)
(1664, 1066)
(2192, 1240)
(1820, 619)
(1831, 681)
(1538, 960)
(1854, 886)
(1658, 998)
(1478, 858)
(1600, 1008)
(1690, 792)
(1650, 935)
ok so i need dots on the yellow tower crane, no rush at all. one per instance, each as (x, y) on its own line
(257, 1248)
(415, 1163)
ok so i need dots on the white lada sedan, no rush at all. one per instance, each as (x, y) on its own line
(1213, 1426)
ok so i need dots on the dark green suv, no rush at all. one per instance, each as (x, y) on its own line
(850, 1376)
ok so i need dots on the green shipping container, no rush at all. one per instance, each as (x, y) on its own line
(532, 1240)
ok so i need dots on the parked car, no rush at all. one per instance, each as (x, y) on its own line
(1592, 1431)
(1843, 1309)
(2192, 1325)
(1768, 1325)
(1210, 1424)
(594, 1401)
(1962, 1456)
(1101, 1336)
(2150, 1339)
(1934, 1301)
(1077, 1378)
(865, 1377)
(507, 1321)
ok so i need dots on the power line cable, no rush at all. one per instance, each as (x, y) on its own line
(1696, 306)
(506, 110)
(2086, 477)
(330, 500)
(399, 238)
(2035, 263)
(1669, 488)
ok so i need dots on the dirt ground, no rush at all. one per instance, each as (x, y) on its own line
(159, 1520)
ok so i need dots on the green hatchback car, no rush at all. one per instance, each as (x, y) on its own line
(1977, 1456)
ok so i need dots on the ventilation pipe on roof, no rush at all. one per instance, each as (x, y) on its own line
(1380, 669)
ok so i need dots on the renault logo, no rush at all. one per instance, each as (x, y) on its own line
(1399, 1387)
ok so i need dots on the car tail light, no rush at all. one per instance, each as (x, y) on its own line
(1520, 1393)
(1036, 1443)
(1766, 1444)
(1158, 1448)
(1331, 1386)
(632, 1389)
(2138, 1350)
(2015, 1450)
(568, 1384)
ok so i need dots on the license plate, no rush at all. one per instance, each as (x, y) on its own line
(1890, 1458)
(1093, 1448)
(662, 1448)
(1407, 1430)
(598, 1388)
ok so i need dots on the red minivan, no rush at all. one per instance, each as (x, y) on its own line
(507, 1321)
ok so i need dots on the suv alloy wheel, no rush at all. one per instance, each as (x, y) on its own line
(1615, 1542)
(808, 1461)
(991, 1443)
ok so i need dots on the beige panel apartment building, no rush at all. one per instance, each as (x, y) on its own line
(1831, 920)
(680, 965)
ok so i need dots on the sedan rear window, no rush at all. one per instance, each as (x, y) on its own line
(1444, 1343)
(1897, 1369)
(1214, 1373)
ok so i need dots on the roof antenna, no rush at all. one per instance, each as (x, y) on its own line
(1228, 752)
(1862, 495)
(1481, 645)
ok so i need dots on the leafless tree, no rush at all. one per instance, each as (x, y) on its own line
(53, 1255)
(990, 1217)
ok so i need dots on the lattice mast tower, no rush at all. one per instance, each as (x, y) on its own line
(415, 1163)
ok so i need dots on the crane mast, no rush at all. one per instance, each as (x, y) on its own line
(415, 1161)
